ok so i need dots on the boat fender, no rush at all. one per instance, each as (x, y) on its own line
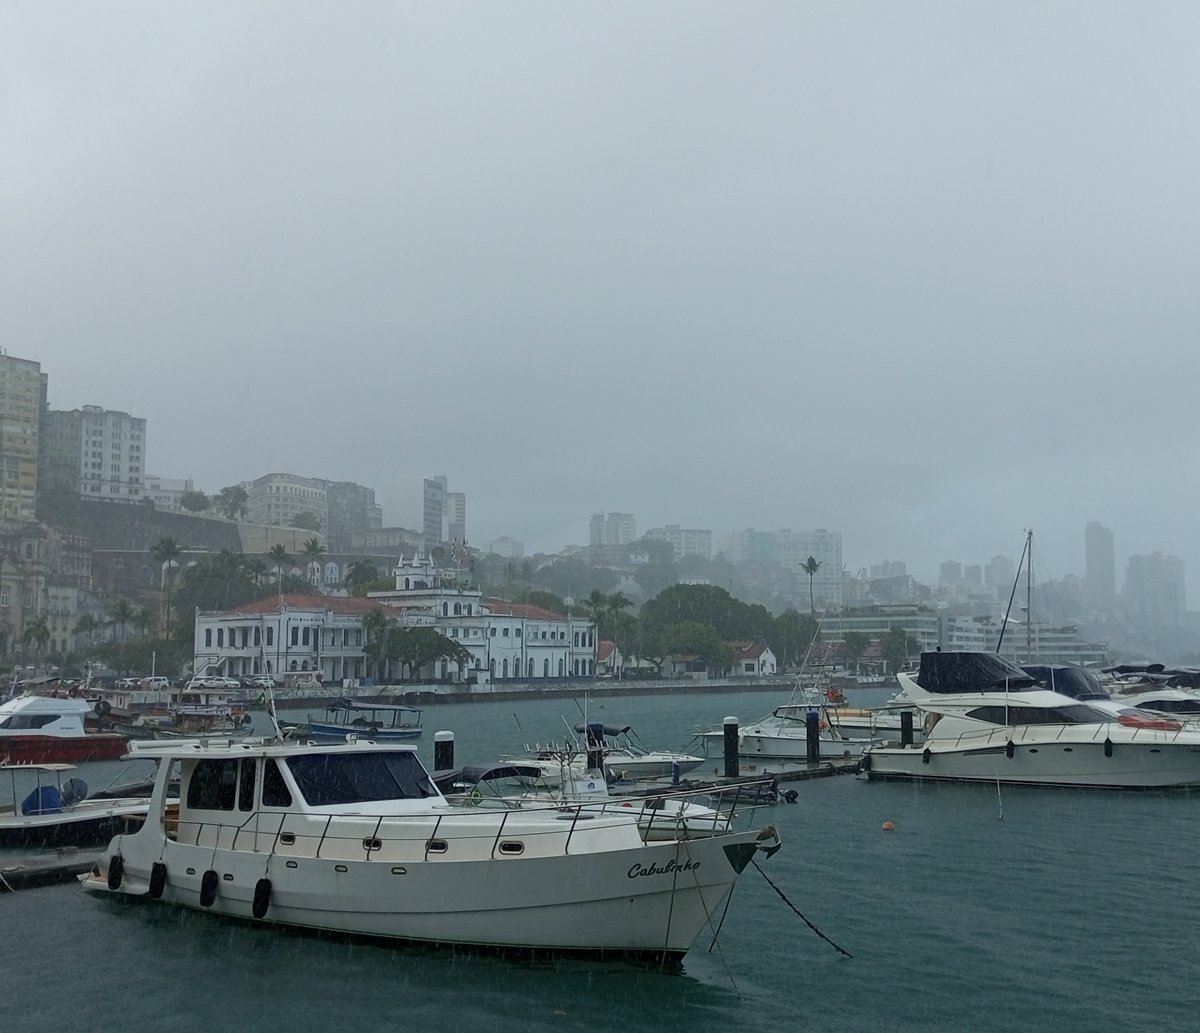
(1009, 749)
(925, 755)
(262, 898)
(791, 796)
(116, 871)
(864, 763)
(208, 888)
(1107, 746)
(158, 879)
(102, 708)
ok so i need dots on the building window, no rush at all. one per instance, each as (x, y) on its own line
(258, 636)
(304, 638)
(506, 632)
(295, 640)
(208, 637)
(220, 637)
(270, 636)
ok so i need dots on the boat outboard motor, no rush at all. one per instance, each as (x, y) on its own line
(73, 790)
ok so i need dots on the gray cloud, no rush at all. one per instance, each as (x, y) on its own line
(924, 273)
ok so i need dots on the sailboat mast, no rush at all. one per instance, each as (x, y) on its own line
(1029, 596)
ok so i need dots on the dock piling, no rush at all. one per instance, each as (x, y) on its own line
(731, 747)
(443, 751)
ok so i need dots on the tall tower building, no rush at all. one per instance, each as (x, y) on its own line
(456, 516)
(434, 510)
(1155, 593)
(22, 402)
(1100, 577)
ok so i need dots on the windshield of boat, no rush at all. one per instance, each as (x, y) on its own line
(325, 779)
(1075, 714)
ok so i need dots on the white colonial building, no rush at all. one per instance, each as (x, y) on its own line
(325, 635)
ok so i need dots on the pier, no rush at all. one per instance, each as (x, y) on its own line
(45, 869)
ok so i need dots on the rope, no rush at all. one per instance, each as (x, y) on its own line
(840, 950)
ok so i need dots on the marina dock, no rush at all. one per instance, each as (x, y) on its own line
(45, 869)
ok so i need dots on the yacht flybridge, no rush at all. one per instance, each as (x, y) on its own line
(356, 838)
(991, 722)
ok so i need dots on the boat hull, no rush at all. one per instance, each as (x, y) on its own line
(94, 830)
(650, 899)
(1137, 765)
(62, 749)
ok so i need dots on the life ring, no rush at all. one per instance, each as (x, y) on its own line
(830, 694)
(476, 796)
(102, 708)
(821, 724)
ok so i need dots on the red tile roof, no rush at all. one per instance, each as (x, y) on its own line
(604, 650)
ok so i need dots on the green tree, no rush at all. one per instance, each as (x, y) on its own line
(857, 643)
(377, 631)
(810, 567)
(703, 641)
(896, 646)
(418, 647)
(233, 501)
(256, 569)
(314, 550)
(121, 613)
(165, 552)
(279, 556)
(37, 635)
(194, 501)
(307, 521)
(360, 575)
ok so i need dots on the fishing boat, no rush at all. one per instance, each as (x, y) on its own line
(50, 810)
(199, 710)
(50, 730)
(379, 722)
(356, 838)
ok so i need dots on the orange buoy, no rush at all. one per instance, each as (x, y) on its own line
(889, 826)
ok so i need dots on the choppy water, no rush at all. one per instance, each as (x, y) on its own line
(1073, 911)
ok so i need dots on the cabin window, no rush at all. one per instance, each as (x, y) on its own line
(346, 778)
(213, 785)
(1079, 714)
(246, 786)
(275, 792)
(16, 721)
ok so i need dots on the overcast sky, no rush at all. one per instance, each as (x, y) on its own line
(924, 273)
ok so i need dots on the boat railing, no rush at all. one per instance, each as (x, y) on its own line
(317, 836)
(1000, 735)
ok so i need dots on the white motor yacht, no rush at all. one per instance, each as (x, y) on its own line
(783, 735)
(356, 838)
(992, 722)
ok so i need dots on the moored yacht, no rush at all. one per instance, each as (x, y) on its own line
(356, 838)
(992, 722)
(50, 730)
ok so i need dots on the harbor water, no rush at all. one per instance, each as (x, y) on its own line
(983, 910)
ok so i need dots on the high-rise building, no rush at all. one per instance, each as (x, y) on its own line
(793, 549)
(683, 542)
(352, 511)
(277, 499)
(612, 529)
(22, 402)
(950, 573)
(1100, 577)
(434, 510)
(97, 453)
(456, 516)
(1000, 572)
(1155, 593)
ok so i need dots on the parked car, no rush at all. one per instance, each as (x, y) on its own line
(214, 681)
(155, 683)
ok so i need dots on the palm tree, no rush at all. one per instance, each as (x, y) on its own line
(86, 625)
(257, 570)
(165, 552)
(36, 634)
(361, 572)
(121, 613)
(314, 550)
(810, 567)
(279, 555)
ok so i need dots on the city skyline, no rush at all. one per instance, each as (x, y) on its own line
(718, 271)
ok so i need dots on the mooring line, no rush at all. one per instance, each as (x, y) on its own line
(840, 950)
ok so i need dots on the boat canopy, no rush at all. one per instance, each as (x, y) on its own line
(464, 779)
(956, 672)
(607, 730)
(344, 703)
(1067, 679)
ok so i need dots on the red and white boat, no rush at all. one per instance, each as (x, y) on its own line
(46, 730)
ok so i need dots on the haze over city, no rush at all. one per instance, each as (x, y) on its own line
(921, 274)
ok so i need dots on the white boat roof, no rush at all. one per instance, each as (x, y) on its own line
(45, 705)
(178, 748)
